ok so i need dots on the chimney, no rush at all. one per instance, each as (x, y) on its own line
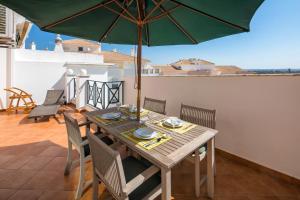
(58, 44)
(132, 52)
(100, 48)
(33, 46)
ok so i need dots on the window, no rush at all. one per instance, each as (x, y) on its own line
(2, 20)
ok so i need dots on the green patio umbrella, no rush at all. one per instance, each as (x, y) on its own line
(140, 22)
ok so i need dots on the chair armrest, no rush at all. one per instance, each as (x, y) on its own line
(115, 145)
(84, 123)
(141, 178)
(84, 142)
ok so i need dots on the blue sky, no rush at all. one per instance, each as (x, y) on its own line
(273, 42)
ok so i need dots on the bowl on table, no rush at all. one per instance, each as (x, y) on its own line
(173, 122)
(145, 133)
(111, 115)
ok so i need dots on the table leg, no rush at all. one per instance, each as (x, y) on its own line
(197, 173)
(210, 167)
(166, 184)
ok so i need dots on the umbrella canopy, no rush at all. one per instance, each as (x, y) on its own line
(141, 22)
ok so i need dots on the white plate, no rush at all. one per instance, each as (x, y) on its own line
(145, 133)
(173, 122)
(112, 115)
(134, 110)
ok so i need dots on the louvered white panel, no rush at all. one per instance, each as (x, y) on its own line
(3, 27)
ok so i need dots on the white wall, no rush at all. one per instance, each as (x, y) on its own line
(38, 71)
(38, 77)
(257, 116)
(3, 68)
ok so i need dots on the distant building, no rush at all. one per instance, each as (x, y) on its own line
(227, 69)
(193, 64)
(82, 46)
(86, 46)
(195, 67)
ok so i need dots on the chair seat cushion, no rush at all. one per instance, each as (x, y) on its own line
(44, 111)
(86, 147)
(203, 149)
(132, 168)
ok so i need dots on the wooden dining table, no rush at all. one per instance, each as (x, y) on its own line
(168, 154)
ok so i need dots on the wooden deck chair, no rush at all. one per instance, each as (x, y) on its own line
(82, 146)
(127, 179)
(155, 105)
(19, 100)
(50, 106)
(202, 117)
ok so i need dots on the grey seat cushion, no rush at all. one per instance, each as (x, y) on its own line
(44, 111)
(133, 167)
(53, 96)
(203, 148)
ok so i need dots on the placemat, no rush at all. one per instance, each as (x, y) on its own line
(146, 144)
(108, 121)
(125, 110)
(185, 128)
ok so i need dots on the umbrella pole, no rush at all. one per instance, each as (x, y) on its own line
(139, 70)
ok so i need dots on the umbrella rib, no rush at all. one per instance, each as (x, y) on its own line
(82, 12)
(118, 13)
(151, 19)
(212, 17)
(113, 24)
(125, 9)
(155, 8)
(172, 19)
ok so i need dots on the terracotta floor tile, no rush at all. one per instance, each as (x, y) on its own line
(6, 193)
(35, 150)
(35, 156)
(17, 162)
(56, 164)
(57, 195)
(53, 151)
(14, 179)
(4, 158)
(229, 185)
(37, 163)
(26, 194)
(51, 180)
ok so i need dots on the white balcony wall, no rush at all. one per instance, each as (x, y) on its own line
(38, 71)
(3, 79)
(257, 116)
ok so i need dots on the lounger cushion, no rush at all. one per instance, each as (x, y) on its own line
(86, 147)
(44, 111)
(132, 168)
(53, 96)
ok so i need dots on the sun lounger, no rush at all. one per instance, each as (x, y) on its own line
(49, 107)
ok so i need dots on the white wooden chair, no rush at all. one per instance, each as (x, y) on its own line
(124, 179)
(202, 117)
(81, 145)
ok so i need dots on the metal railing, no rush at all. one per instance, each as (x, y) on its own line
(103, 95)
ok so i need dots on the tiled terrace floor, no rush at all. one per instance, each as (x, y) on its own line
(33, 155)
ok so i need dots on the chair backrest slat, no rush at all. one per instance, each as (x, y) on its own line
(53, 97)
(73, 129)
(108, 166)
(200, 116)
(155, 105)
